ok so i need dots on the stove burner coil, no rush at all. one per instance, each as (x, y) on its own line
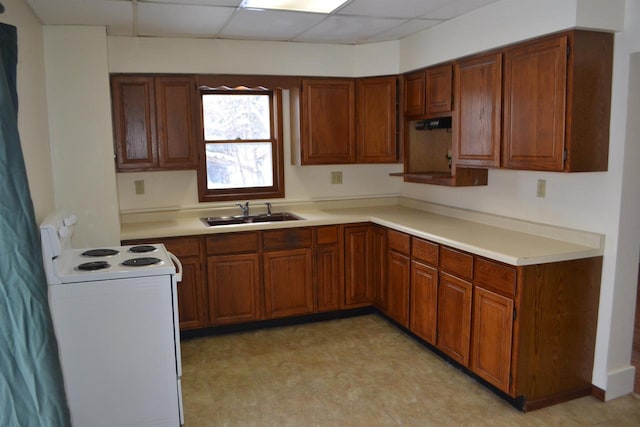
(93, 266)
(142, 249)
(141, 262)
(100, 252)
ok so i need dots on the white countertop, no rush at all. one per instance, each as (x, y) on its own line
(505, 243)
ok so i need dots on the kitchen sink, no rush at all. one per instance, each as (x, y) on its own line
(214, 221)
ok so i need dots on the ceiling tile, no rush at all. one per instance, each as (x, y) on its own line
(269, 25)
(348, 29)
(111, 13)
(181, 20)
(455, 8)
(391, 9)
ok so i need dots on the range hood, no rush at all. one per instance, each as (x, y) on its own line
(430, 124)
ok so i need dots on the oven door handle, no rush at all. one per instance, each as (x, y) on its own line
(178, 265)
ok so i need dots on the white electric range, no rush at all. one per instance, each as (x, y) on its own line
(115, 316)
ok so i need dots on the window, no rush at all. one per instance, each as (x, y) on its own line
(242, 149)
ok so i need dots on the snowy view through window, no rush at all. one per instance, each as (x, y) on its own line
(237, 132)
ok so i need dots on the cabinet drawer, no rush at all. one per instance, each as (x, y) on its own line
(288, 238)
(232, 243)
(327, 235)
(398, 241)
(424, 251)
(189, 246)
(494, 276)
(457, 262)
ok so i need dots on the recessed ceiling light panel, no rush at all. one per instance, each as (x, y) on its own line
(315, 6)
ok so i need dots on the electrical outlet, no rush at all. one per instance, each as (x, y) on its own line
(541, 190)
(336, 177)
(139, 186)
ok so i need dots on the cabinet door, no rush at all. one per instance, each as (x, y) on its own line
(134, 122)
(328, 121)
(454, 317)
(414, 93)
(176, 109)
(376, 120)
(379, 267)
(357, 258)
(492, 337)
(439, 93)
(398, 276)
(477, 119)
(424, 301)
(191, 294)
(535, 77)
(234, 288)
(328, 277)
(288, 282)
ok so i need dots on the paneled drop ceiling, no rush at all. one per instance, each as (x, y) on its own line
(357, 21)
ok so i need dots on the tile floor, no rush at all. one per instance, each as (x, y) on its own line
(361, 371)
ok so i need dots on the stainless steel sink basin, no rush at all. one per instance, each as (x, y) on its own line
(214, 221)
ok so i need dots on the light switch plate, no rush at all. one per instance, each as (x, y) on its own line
(541, 190)
(336, 177)
(139, 186)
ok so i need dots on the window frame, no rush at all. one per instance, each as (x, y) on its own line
(276, 190)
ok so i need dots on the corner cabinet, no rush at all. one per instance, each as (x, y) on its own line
(346, 121)
(557, 102)
(154, 120)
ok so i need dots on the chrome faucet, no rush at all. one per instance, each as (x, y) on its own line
(244, 207)
(268, 208)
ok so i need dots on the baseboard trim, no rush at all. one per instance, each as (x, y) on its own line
(598, 393)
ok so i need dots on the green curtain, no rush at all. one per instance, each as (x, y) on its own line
(31, 385)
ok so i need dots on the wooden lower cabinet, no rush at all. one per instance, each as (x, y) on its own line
(328, 268)
(234, 288)
(379, 266)
(398, 277)
(492, 337)
(423, 312)
(454, 317)
(357, 263)
(527, 330)
(288, 283)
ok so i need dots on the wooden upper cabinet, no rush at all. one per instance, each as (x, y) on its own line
(557, 101)
(376, 109)
(429, 92)
(134, 122)
(328, 129)
(439, 97)
(414, 94)
(477, 117)
(176, 104)
(155, 122)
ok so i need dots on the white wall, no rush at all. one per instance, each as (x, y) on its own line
(32, 108)
(79, 105)
(589, 201)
